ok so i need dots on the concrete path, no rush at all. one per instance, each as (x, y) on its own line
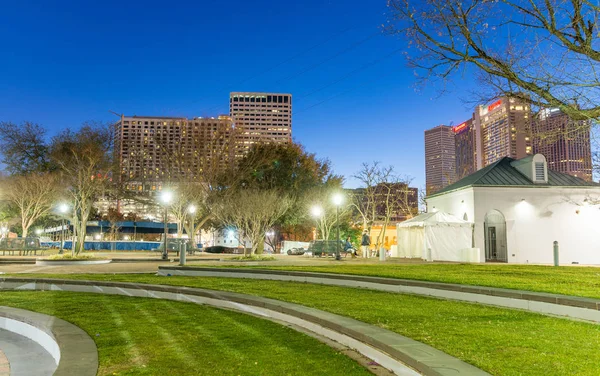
(148, 262)
(26, 357)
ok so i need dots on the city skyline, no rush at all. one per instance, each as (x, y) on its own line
(349, 81)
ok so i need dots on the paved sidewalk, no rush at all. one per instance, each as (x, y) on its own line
(148, 262)
(20, 351)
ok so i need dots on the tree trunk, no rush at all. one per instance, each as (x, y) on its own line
(260, 247)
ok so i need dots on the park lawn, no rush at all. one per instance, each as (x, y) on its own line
(139, 336)
(500, 341)
(567, 280)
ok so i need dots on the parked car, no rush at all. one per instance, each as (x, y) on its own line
(296, 251)
(219, 249)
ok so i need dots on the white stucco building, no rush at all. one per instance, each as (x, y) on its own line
(519, 208)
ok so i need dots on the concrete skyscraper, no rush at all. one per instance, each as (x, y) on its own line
(465, 137)
(564, 142)
(261, 117)
(440, 160)
(503, 130)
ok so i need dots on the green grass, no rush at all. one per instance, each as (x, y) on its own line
(568, 280)
(500, 341)
(140, 336)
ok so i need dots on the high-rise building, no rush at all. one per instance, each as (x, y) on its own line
(261, 117)
(440, 161)
(465, 137)
(564, 142)
(503, 129)
(154, 150)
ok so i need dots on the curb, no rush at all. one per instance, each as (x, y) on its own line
(420, 357)
(73, 349)
(546, 303)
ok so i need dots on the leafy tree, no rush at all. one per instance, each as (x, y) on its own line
(24, 148)
(546, 51)
(290, 170)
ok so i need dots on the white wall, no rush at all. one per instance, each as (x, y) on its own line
(535, 217)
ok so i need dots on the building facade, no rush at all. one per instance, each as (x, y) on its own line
(564, 142)
(155, 150)
(440, 158)
(504, 130)
(260, 117)
(465, 140)
(520, 207)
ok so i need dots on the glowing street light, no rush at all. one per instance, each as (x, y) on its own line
(38, 231)
(338, 199)
(63, 208)
(316, 211)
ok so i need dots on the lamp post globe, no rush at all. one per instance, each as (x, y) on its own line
(192, 210)
(63, 208)
(316, 211)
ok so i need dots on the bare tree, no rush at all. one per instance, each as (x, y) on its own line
(85, 165)
(253, 212)
(33, 195)
(383, 197)
(544, 51)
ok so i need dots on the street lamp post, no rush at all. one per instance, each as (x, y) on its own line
(192, 211)
(62, 208)
(338, 199)
(317, 212)
(166, 198)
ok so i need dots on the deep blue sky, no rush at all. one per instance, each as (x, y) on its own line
(64, 64)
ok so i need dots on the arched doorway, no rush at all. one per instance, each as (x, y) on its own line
(495, 237)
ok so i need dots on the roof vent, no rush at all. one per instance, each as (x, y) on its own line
(535, 168)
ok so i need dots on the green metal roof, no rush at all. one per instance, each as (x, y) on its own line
(502, 174)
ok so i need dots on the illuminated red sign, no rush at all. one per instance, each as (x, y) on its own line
(494, 105)
(460, 127)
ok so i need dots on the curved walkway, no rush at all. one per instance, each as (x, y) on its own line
(389, 349)
(554, 304)
(59, 347)
(19, 350)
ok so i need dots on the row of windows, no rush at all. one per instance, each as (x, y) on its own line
(261, 99)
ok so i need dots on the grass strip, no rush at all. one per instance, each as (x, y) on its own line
(138, 336)
(566, 280)
(500, 341)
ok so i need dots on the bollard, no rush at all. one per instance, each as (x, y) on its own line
(182, 253)
(555, 253)
(382, 254)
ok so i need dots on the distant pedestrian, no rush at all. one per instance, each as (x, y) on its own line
(366, 242)
(349, 248)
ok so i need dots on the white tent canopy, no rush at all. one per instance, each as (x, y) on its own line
(436, 236)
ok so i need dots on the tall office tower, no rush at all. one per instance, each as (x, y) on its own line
(154, 150)
(504, 130)
(261, 117)
(564, 142)
(440, 162)
(465, 137)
